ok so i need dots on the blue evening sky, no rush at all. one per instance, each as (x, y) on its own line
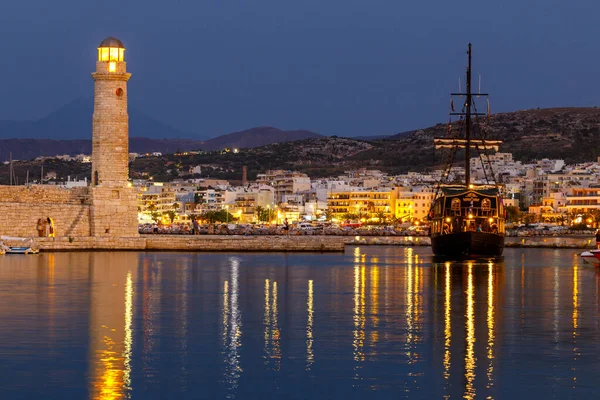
(336, 67)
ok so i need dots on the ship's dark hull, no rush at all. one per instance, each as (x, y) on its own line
(468, 245)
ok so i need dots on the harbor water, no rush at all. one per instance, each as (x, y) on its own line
(375, 322)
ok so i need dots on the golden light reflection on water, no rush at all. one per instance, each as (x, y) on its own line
(310, 357)
(575, 321)
(470, 359)
(447, 321)
(267, 317)
(359, 320)
(272, 347)
(128, 341)
(490, 326)
(111, 323)
(374, 309)
(275, 333)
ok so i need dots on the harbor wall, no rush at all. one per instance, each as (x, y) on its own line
(207, 243)
(22, 206)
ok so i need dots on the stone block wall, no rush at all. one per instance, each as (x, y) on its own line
(21, 207)
(113, 212)
(110, 126)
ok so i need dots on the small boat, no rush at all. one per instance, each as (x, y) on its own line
(591, 257)
(467, 220)
(17, 245)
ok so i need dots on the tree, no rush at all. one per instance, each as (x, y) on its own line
(595, 215)
(529, 218)
(156, 216)
(258, 210)
(350, 216)
(171, 214)
(265, 214)
(328, 215)
(381, 216)
(216, 216)
(513, 214)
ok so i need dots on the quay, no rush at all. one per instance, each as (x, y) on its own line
(267, 243)
(212, 243)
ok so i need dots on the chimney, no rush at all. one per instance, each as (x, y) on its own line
(244, 175)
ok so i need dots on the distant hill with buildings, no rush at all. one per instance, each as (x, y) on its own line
(564, 133)
(27, 149)
(569, 133)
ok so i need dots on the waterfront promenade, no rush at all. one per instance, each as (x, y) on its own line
(277, 243)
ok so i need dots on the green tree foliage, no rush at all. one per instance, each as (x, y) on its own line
(156, 216)
(216, 216)
(171, 214)
(513, 214)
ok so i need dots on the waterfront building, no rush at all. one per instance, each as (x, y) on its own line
(367, 204)
(156, 198)
(583, 200)
(413, 204)
(284, 182)
(247, 201)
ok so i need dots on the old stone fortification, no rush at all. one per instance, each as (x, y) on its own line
(22, 206)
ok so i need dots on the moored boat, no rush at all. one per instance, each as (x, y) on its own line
(17, 245)
(467, 220)
(591, 257)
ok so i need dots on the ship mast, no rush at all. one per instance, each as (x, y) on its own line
(468, 124)
(467, 143)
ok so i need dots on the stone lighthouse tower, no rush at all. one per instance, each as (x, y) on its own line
(113, 202)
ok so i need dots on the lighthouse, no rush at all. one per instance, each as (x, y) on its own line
(113, 202)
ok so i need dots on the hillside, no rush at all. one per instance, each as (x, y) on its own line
(27, 149)
(565, 133)
(255, 137)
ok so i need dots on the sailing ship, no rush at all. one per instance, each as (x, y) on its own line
(467, 220)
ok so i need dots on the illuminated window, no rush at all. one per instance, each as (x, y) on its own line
(114, 54)
(112, 66)
(104, 56)
(111, 54)
(455, 204)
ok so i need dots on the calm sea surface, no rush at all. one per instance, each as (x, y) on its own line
(374, 322)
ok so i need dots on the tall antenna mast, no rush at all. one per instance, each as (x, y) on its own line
(468, 124)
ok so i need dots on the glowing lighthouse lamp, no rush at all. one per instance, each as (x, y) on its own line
(111, 51)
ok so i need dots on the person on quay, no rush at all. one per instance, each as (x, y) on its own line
(40, 228)
(286, 227)
(50, 227)
(598, 238)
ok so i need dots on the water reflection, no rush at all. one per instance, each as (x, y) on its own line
(447, 325)
(470, 358)
(310, 356)
(111, 336)
(358, 333)
(469, 318)
(391, 323)
(272, 349)
(232, 330)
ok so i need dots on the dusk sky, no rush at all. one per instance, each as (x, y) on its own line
(336, 67)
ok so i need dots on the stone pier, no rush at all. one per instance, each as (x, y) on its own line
(196, 243)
